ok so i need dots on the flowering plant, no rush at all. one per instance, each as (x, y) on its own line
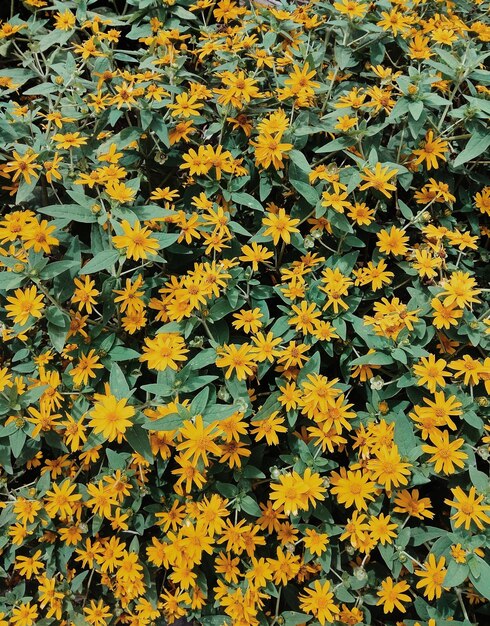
(245, 313)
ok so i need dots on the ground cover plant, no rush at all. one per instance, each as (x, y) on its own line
(244, 309)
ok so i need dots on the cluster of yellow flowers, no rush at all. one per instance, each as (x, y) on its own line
(244, 311)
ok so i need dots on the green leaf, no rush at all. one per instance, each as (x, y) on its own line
(336, 145)
(376, 358)
(17, 441)
(482, 581)
(246, 199)
(250, 506)
(477, 144)
(56, 268)
(138, 439)
(479, 479)
(198, 404)
(312, 366)
(299, 159)
(10, 280)
(101, 261)
(72, 212)
(456, 574)
(292, 618)
(120, 353)
(58, 332)
(118, 383)
(309, 193)
(173, 421)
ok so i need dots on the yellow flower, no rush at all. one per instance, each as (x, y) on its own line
(388, 469)
(164, 351)
(392, 596)
(280, 226)
(25, 614)
(432, 577)
(352, 488)
(97, 613)
(111, 417)
(61, 500)
(431, 150)
(445, 454)
(382, 529)
(249, 320)
(431, 372)
(29, 566)
(64, 20)
(460, 290)
(23, 165)
(468, 368)
(270, 151)
(69, 140)
(84, 293)
(319, 601)
(238, 359)
(197, 440)
(120, 192)
(185, 106)
(137, 240)
(468, 509)
(378, 179)
(351, 8)
(255, 254)
(392, 241)
(85, 368)
(25, 304)
(269, 428)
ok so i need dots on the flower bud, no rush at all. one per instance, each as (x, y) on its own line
(275, 473)
(376, 383)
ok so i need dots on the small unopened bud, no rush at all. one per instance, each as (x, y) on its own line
(223, 394)
(275, 473)
(376, 383)
(360, 573)
(483, 452)
(309, 242)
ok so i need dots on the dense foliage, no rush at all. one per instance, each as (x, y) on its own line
(244, 312)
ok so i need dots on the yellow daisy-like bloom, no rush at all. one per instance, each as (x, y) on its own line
(353, 488)
(446, 455)
(432, 577)
(97, 613)
(85, 368)
(392, 241)
(197, 440)
(431, 150)
(392, 596)
(29, 566)
(248, 320)
(137, 240)
(25, 614)
(25, 304)
(319, 601)
(120, 192)
(388, 469)
(23, 165)
(111, 417)
(431, 372)
(269, 150)
(280, 226)
(237, 359)
(166, 350)
(469, 508)
(378, 179)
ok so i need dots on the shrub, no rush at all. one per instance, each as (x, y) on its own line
(244, 313)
